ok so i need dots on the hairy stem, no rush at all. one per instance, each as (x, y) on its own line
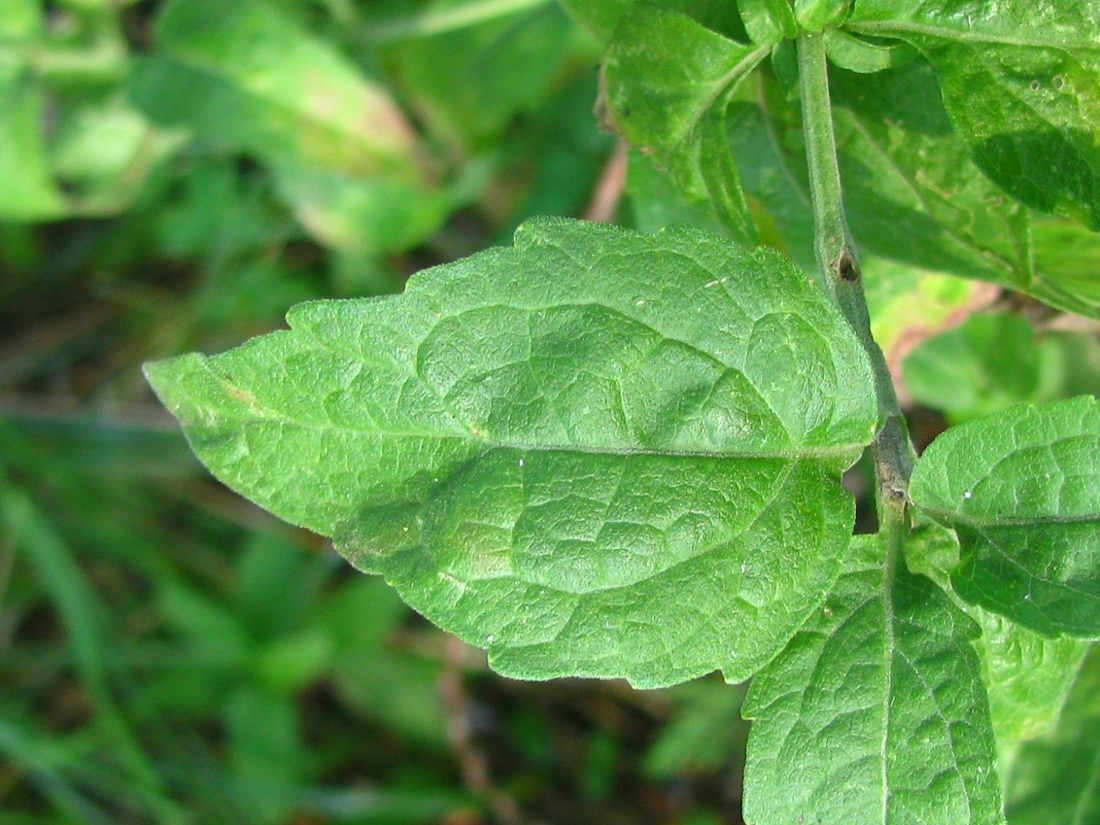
(839, 265)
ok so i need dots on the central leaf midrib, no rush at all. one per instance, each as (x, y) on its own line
(793, 453)
(897, 28)
(954, 517)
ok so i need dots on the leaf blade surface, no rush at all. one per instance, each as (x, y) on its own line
(1021, 488)
(597, 453)
(875, 712)
(1021, 81)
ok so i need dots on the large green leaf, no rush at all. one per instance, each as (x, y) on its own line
(1021, 488)
(667, 83)
(1055, 780)
(875, 712)
(1021, 81)
(597, 453)
(244, 73)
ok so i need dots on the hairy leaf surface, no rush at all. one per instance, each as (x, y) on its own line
(875, 712)
(596, 453)
(1021, 488)
(1021, 81)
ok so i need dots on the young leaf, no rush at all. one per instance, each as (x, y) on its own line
(667, 83)
(1056, 779)
(1021, 488)
(768, 21)
(1021, 81)
(597, 453)
(875, 711)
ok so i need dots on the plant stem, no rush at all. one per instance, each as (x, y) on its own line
(839, 264)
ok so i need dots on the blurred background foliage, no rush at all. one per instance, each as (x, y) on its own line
(173, 176)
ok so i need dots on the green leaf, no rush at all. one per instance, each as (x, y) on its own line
(470, 84)
(216, 74)
(979, 368)
(598, 453)
(1067, 265)
(858, 55)
(875, 711)
(370, 216)
(1026, 675)
(29, 192)
(655, 203)
(776, 175)
(667, 83)
(768, 21)
(994, 361)
(1022, 491)
(1021, 81)
(911, 191)
(1056, 779)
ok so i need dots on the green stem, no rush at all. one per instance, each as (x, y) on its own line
(839, 265)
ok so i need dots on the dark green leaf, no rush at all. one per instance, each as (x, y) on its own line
(598, 453)
(1022, 491)
(912, 193)
(875, 711)
(1021, 81)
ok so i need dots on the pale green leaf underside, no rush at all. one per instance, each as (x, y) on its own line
(875, 712)
(1021, 81)
(597, 453)
(1055, 780)
(1021, 488)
